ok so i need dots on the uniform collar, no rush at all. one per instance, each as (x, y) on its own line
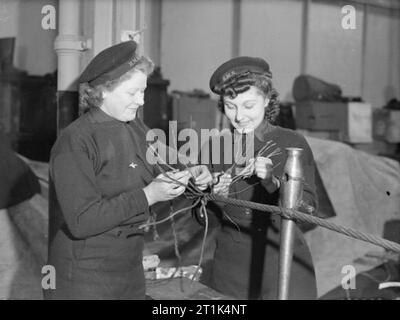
(262, 129)
(99, 116)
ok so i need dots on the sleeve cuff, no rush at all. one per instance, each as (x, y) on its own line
(138, 202)
(268, 185)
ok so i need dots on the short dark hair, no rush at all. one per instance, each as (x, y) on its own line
(243, 82)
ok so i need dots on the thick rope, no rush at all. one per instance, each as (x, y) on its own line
(297, 215)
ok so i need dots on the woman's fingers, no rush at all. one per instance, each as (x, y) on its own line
(202, 186)
(249, 169)
(222, 183)
(219, 177)
(204, 177)
(172, 177)
(225, 179)
(195, 170)
(223, 190)
(179, 174)
(216, 177)
(174, 192)
(263, 161)
(263, 167)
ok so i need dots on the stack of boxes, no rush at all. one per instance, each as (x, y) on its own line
(322, 112)
(356, 123)
(343, 121)
(386, 125)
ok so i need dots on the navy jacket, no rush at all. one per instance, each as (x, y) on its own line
(245, 263)
(98, 171)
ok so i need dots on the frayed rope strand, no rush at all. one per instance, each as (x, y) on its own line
(171, 215)
(203, 210)
(176, 239)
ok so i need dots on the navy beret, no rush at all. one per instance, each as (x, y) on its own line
(110, 64)
(237, 66)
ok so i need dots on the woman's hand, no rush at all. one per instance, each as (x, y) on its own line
(221, 182)
(263, 168)
(164, 188)
(202, 176)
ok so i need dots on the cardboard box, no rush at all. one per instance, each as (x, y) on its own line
(386, 125)
(352, 121)
(359, 122)
(320, 116)
(379, 123)
(393, 131)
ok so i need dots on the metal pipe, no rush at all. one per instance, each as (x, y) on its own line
(290, 194)
(68, 44)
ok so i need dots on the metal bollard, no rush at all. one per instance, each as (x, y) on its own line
(290, 194)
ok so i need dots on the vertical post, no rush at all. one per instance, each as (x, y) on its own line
(68, 45)
(290, 194)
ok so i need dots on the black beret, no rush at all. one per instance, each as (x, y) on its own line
(110, 64)
(237, 66)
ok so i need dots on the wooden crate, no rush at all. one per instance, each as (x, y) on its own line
(352, 121)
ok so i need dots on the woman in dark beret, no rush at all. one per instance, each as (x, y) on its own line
(103, 184)
(245, 262)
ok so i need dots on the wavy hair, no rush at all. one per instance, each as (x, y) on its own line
(241, 83)
(92, 96)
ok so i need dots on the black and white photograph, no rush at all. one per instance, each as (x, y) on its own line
(214, 152)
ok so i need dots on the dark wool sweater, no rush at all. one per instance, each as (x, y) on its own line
(98, 170)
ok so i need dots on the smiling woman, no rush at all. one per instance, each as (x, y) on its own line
(246, 111)
(92, 95)
(123, 101)
(103, 184)
(245, 262)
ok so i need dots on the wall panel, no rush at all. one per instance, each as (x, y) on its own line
(34, 51)
(272, 30)
(196, 37)
(380, 61)
(334, 53)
